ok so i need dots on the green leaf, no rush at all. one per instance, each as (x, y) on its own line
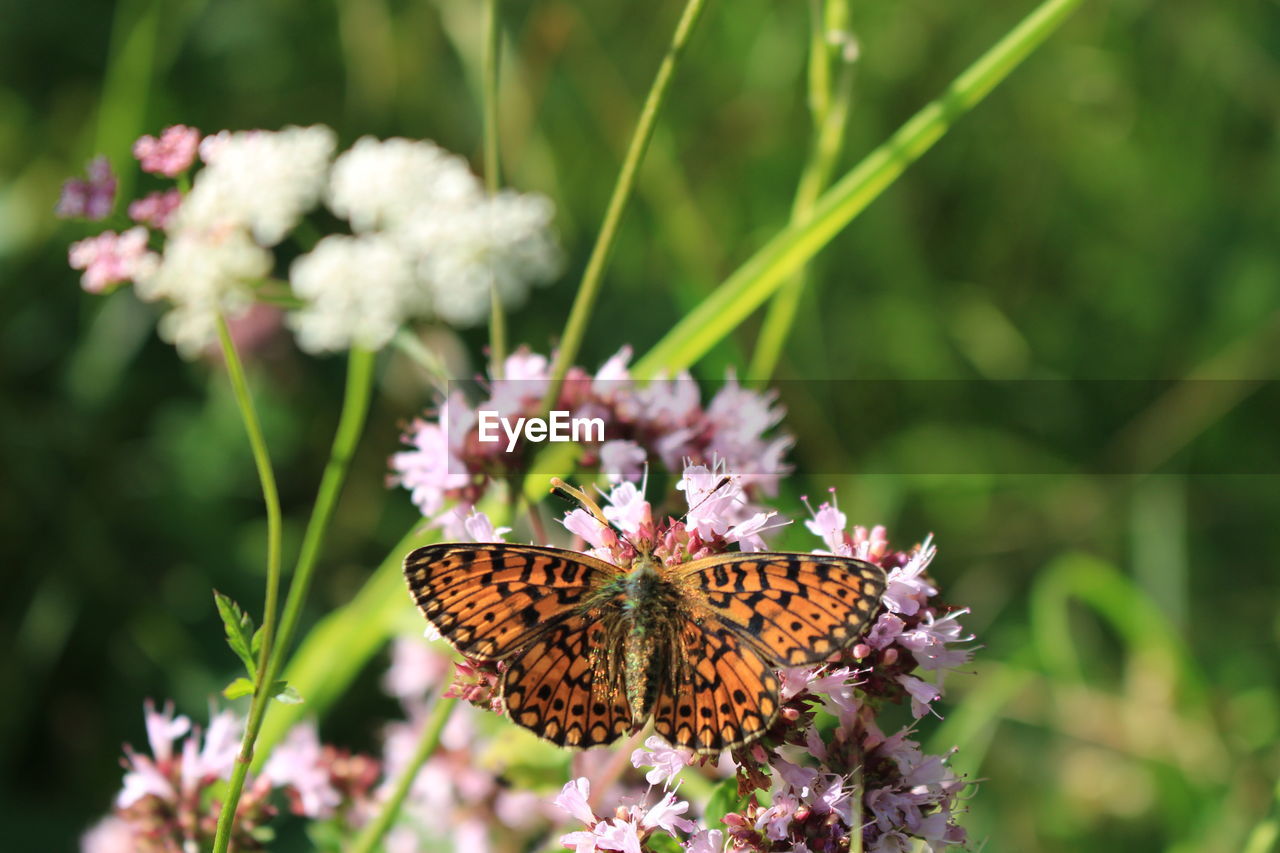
(239, 628)
(240, 687)
(724, 799)
(256, 645)
(281, 691)
(659, 843)
(773, 265)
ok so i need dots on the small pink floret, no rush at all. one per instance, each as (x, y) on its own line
(171, 154)
(155, 209)
(110, 258)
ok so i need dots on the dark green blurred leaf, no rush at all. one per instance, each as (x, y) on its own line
(724, 799)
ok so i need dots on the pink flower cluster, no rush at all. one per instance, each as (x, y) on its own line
(630, 826)
(907, 796)
(663, 422)
(168, 801)
(92, 198)
(163, 805)
(112, 258)
(458, 793)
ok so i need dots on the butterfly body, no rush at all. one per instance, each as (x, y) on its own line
(593, 650)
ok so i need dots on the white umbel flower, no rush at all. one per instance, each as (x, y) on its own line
(261, 180)
(203, 272)
(358, 291)
(503, 242)
(456, 241)
(382, 184)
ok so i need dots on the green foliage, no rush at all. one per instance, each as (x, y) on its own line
(724, 799)
(1107, 212)
(241, 636)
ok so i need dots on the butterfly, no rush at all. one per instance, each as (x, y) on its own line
(593, 650)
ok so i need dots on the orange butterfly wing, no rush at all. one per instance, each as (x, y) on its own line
(727, 697)
(557, 687)
(794, 609)
(490, 600)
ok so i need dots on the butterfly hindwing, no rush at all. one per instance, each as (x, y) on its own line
(556, 687)
(795, 609)
(728, 696)
(489, 600)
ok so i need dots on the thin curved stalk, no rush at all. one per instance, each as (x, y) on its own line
(493, 173)
(829, 105)
(355, 409)
(589, 288)
(373, 832)
(270, 496)
(770, 267)
(350, 425)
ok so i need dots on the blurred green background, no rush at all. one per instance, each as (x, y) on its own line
(1109, 212)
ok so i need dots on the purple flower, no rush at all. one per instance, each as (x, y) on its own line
(573, 799)
(110, 835)
(217, 757)
(828, 523)
(471, 526)
(622, 460)
(775, 821)
(928, 641)
(163, 728)
(432, 470)
(92, 198)
(143, 778)
(706, 841)
(416, 668)
(171, 154)
(921, 692)
(664, 761)
(718, 508)
(299, 764)
(628, 509)
(665, 815)
(887, 630)
(908, 586)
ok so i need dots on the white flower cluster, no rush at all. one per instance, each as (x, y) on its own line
(436, 241)
(255, 187)
(428, 240)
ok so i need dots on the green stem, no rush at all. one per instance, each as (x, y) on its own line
(761, 276)
(373, 832)
(493, 173)
(589, 288)
(355, 408)
(350, 424)
(489, 96)
(830, 110)
(430, 363)
(262, 683)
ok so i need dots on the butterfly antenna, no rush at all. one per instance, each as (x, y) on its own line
(581, 498)
(724, 481)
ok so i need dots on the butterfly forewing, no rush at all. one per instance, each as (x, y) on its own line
(794, 608)
(728, 695)
(557, 687)
(489, 600)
